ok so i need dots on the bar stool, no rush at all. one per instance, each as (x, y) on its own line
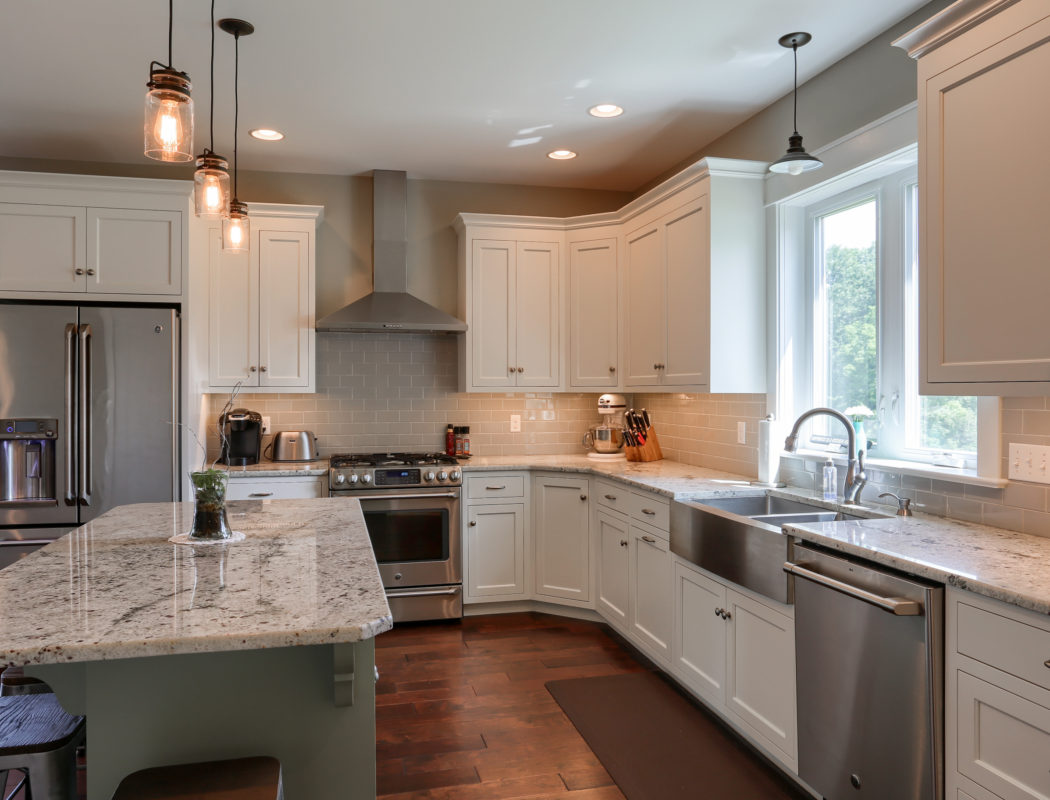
(39, 739)
(14, 681)
(257, 778)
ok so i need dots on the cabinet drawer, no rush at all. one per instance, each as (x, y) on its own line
(1004, 740)
(651, 510)
(275, 488)
(481, 486)
(613, 496)
(1015, 647)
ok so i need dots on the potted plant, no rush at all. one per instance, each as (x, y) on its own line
(209, 505)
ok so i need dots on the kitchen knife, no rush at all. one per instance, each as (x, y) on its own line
(645, 419)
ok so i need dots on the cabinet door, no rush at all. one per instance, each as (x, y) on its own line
(133, 251)
(561, 531)
(233, 315)
(41, 248)
(594, 291)
(286, 325)
(760, 671)
(495, 551)
(983, 231)
(613, 568)
(275, 488)
(699, 646)
(537, 315)
(493, 316)
(646, 322)
(687, 259)
(652, 602)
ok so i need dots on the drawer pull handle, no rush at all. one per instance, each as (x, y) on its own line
(495, 488)
(649, 511)
(649, 539)
(610, 497)
(261, 494)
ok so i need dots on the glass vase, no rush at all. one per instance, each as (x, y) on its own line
(210, 522)
(862, 436)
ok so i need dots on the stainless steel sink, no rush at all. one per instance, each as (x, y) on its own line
(741, 539)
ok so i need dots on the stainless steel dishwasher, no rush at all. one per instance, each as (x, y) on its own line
(869, 650)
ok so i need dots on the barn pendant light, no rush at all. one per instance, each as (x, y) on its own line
(796, 160)
(211, 180)
(168, 131)
(235, 228)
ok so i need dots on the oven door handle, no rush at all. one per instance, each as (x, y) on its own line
(420, 496)
(421, 592)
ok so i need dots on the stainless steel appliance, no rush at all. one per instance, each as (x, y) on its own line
(605, 440)
(242, 437)
(88, 398)
(293, 446)
(869, 649)
(411, 507)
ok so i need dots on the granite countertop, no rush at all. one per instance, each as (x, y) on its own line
(278, 469)
(1005, 565)
(117, 588)
(669, 478)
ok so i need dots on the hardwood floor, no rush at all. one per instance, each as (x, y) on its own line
(462, 712)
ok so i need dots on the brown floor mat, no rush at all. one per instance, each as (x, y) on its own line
(658, 746)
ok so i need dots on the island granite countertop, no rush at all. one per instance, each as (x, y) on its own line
(117, 588)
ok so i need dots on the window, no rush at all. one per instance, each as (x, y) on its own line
(862, 320)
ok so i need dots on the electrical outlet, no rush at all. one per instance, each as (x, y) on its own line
(1029, 462)
(515, 423)
(266, 424)
(741, 433)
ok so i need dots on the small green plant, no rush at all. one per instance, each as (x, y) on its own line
(209, 510)
(210, 486)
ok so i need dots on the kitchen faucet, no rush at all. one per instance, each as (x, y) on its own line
(855, 477)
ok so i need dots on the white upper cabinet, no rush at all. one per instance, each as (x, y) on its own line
(261, 303)
(510, 295)
(85, 235)
(983, 235)
(666, 294)
(594, 314)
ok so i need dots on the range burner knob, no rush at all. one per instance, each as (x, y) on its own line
(428, 476)
(353, 478)
(340, 479)
(454, 475)
(366, 478)
(442, 476)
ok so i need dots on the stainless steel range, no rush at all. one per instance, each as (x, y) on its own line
(411, 507)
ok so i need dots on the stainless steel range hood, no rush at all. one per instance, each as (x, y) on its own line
(390, 308)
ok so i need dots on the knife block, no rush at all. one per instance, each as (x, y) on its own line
(650, 451)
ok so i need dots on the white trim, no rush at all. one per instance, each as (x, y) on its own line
(947, 24)
(913, 468)
(60, 180)
(285, 211)
(989, 431)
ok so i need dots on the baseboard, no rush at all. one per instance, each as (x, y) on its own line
(519, 606)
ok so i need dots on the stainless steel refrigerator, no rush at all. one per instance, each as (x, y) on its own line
(88, 398)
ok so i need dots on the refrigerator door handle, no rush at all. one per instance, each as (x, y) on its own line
(84, 412)
(67, 434)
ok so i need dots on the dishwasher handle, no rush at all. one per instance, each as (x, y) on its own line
(894, 605)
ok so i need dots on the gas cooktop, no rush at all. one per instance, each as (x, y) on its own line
(391, 459)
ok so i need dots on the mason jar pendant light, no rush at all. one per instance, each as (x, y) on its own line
(796, 160)
(235, 227)
(211, 180)
(168, 130)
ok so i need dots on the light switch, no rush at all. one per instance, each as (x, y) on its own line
(1029, 462)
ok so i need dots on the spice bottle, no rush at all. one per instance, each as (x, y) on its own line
(450, 441)
(458, 436)
(465, 449)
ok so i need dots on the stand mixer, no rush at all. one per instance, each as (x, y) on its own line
(605, 439)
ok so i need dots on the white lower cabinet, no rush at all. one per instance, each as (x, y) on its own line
(997, 704)
(561, 532)
(613, 568)
(652, 606)
(496, 538)
(280, 488)
(738, 654)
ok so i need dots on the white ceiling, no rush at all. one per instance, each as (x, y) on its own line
(476, 90)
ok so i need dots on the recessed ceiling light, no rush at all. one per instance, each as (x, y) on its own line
(561, 155)
(267, 134)
(605, 110)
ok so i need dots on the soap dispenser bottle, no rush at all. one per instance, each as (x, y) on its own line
(830, 481)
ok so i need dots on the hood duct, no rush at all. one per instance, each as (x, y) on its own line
(390, 308)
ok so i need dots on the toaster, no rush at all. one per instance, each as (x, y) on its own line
(294, 446)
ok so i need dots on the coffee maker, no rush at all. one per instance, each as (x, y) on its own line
(242, 437)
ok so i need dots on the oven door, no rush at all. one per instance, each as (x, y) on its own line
(415, 535)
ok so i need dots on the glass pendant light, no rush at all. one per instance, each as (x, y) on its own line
(168, 130)
(211, 180)
(796, 160)
(235, 227)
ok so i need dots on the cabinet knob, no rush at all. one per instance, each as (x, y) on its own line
(656, 366)
(623, 543)
(718, 612)
(251, 369)
(512, 369)
(90, 271)
(583, 497)
(78, 271)
(521, 369)
(473, 523)
(262, 369)
(726, 615)
(1047, 663)
(612, 369)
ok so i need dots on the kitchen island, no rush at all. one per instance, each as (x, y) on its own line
(181, 653)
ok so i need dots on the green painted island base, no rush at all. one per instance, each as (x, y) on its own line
(311, 707)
